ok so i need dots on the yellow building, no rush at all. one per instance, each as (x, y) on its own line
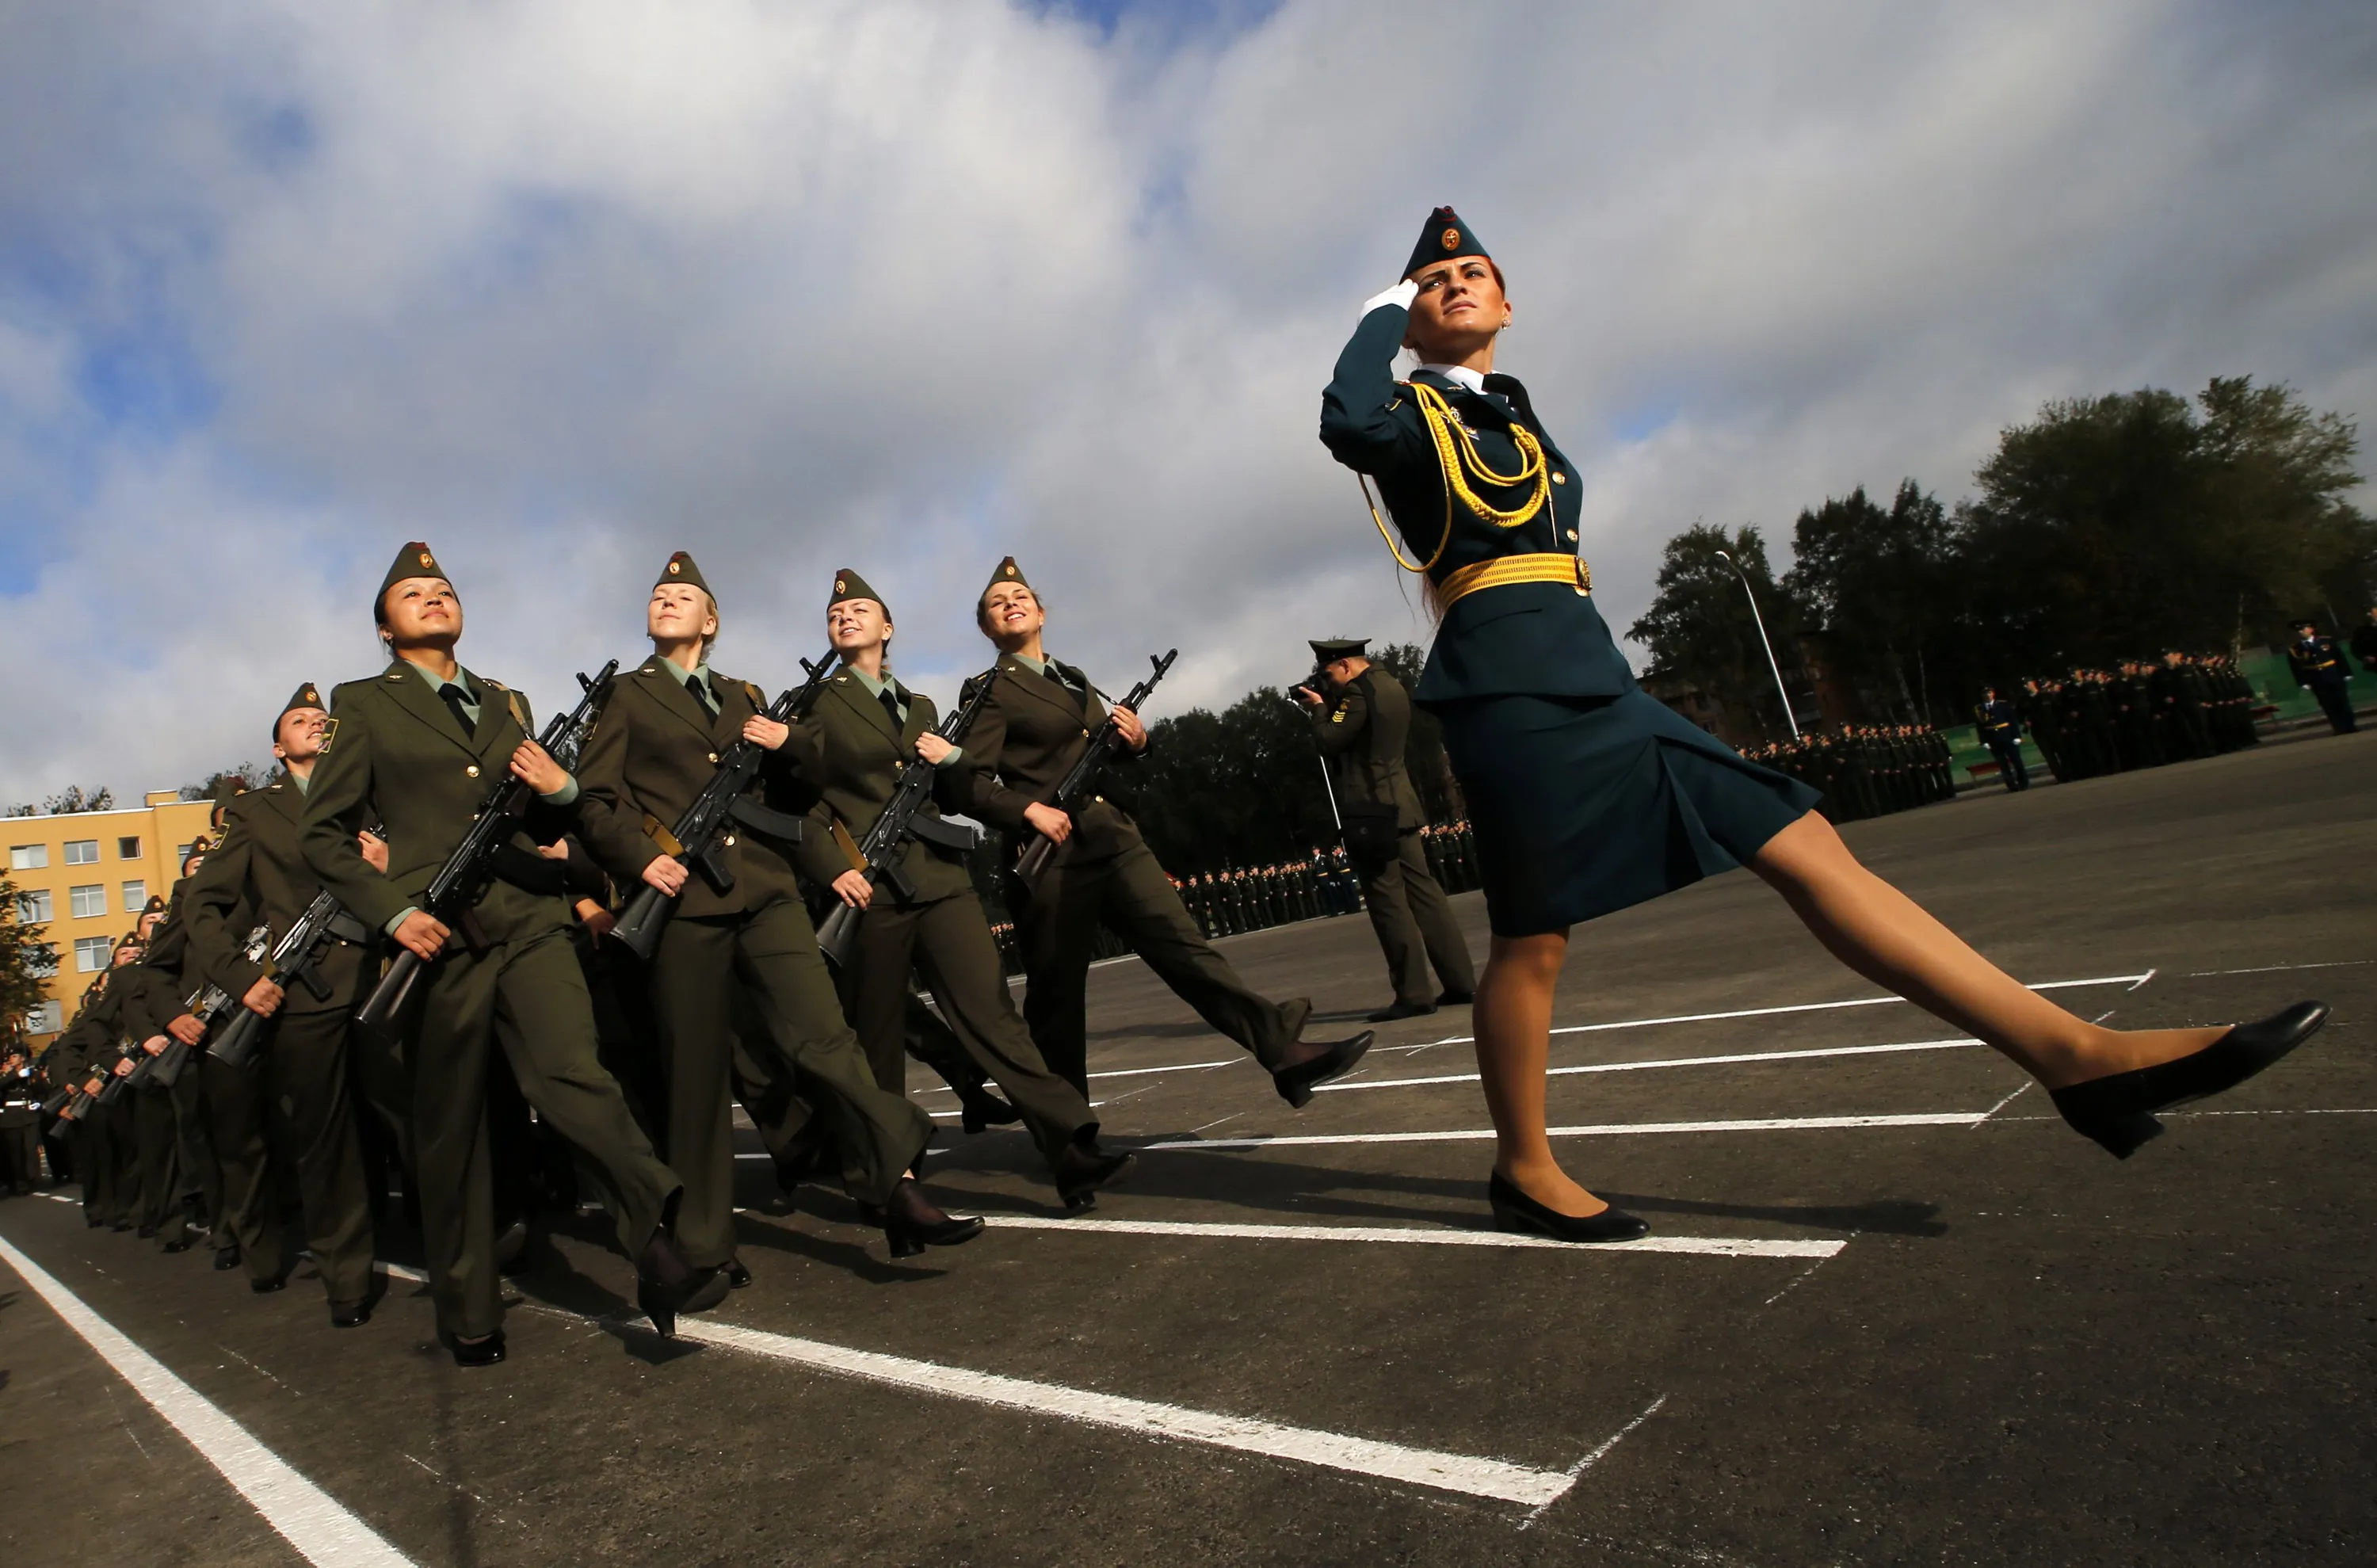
(87, 875)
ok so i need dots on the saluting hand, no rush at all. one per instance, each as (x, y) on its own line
(424, 936)
(1127, 724)
(533, 768)
(263, 1000)
(765, 733)
(186, 1029)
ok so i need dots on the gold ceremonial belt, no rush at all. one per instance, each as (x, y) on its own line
(1503, 570)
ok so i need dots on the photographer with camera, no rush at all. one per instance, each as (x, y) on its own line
(1360, 716)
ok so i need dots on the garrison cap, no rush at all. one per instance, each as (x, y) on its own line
(156, 904)
(680, 569)
(414, 560)
(848, 584)
(1007, 572)
(1445, 238)
(1326, 649)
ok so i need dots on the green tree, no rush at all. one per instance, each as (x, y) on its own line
(27, 959)
(1881, 586)
(1702, 633)
(74, 799)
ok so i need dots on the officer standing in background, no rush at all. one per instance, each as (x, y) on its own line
(22, 1089)
(1360, 726)
(2320, 664)
(2001, 729)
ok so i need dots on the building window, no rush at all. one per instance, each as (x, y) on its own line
(46, 1018)
(136, 897)
(29, 856)
(181, 853)
(127, 848)
(33, 906)
(91, 954)
(86, 901)
(82, 851)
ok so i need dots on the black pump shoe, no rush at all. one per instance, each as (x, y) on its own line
(350, 1314)
(474, 1353)
(981, 1108)
(2118, 1111)
(912, 1222)
(1513, 1210)
(737, 1276)
(1455, 999)
(1335, 1059)
(667, 1284)
(227, 1257)
(1084, 1169)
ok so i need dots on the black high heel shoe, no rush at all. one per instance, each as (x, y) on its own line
(1331, 1058)
(1084, 1170)
(737, 1276)
(667, 1284)
(912, 1223)
(474, 1352)
(1513, 1210)
(981, 1108)
(2118, 1111)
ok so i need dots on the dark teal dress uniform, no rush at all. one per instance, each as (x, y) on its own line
(1587, 794)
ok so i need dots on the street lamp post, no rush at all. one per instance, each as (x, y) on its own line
(1780, 691)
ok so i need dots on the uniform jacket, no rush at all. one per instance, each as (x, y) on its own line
(653, 749)
(396, 755)
(1997, 720)
(1362, 733)
(2317, 659)
(1030, 733)
(1544, 638)
(863, 756)
(257, 873)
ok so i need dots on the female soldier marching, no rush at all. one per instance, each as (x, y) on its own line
(417, 747)
(1034, 729)
(870, 726)
(1587, 796)
(654, 748)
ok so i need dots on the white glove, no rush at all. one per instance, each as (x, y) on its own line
(1402, 294)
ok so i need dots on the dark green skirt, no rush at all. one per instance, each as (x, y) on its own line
(1586, 805)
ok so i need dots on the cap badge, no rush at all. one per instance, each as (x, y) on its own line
(1010, 571)
(426, 560)
(1449, 239)
(675, 566)
(840, 586)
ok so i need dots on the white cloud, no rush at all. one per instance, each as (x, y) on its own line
(563, 285)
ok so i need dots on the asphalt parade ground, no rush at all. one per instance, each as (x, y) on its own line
(1891, 1310)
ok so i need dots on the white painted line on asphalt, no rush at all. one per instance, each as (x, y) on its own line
(1665, 1061)
(2276, 968)
(2130, 980)
(1464, 1473)
(2145, 977)
(1599, 1454)
(2008, 1100)
(1696, 1246)
(304, 1515)
(1118, 1072)
(2311, 1110)
(1604, 1130)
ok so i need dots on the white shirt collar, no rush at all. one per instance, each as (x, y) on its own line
(1464, 374)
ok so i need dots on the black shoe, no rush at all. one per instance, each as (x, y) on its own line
(1402, 1010)
(1333, 1060)
(474, 1353)
(267, 1286)
(667, 1284)
(226, 1259)
(351, 1315)
(1513, 1210)
(1083, 1169)
(807, 1161)
(146, 1233)
(737, 1276)
(183, 1245)
(92, 1221)
(983, 1108)
(1455, 999)
(510, 1242)
(2118, 1111)
(912, 1222)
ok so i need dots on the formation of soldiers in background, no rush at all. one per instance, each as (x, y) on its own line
(1866, 770)
(1252, 898)
(2140, 714)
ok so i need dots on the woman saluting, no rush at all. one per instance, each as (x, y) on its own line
(1587, 796)
(418, 747)
(656, 748)
(870, 728)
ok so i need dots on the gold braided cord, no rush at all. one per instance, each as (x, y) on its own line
(1397, 550)
(1456, 454)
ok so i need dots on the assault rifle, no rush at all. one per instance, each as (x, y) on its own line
(291, 962)
(467, 871)
(1034, 859)
(902, 820)
(694, 839)
(205, 1004)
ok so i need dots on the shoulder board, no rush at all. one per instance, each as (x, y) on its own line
(330, 733)
(759, 697)
(491, 682)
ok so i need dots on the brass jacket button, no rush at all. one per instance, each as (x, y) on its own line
(1560, 478)
(473, 769)
(713, 757)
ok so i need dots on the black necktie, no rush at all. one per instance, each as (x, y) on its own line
(456, 696)
(693, 684)
(891, 701)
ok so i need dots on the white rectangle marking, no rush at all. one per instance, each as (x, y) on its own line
(1730, 1058)
(1603, 1129)
(1696, 1246)
(1475, 1477)
(305, 1516)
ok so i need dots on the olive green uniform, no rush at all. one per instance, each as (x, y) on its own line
(653, 750)
(941, 931)
(399, 755)
(1362, 732)
(1031, 730)
(257, 874)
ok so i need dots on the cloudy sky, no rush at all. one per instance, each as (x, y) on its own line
(562, 285)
